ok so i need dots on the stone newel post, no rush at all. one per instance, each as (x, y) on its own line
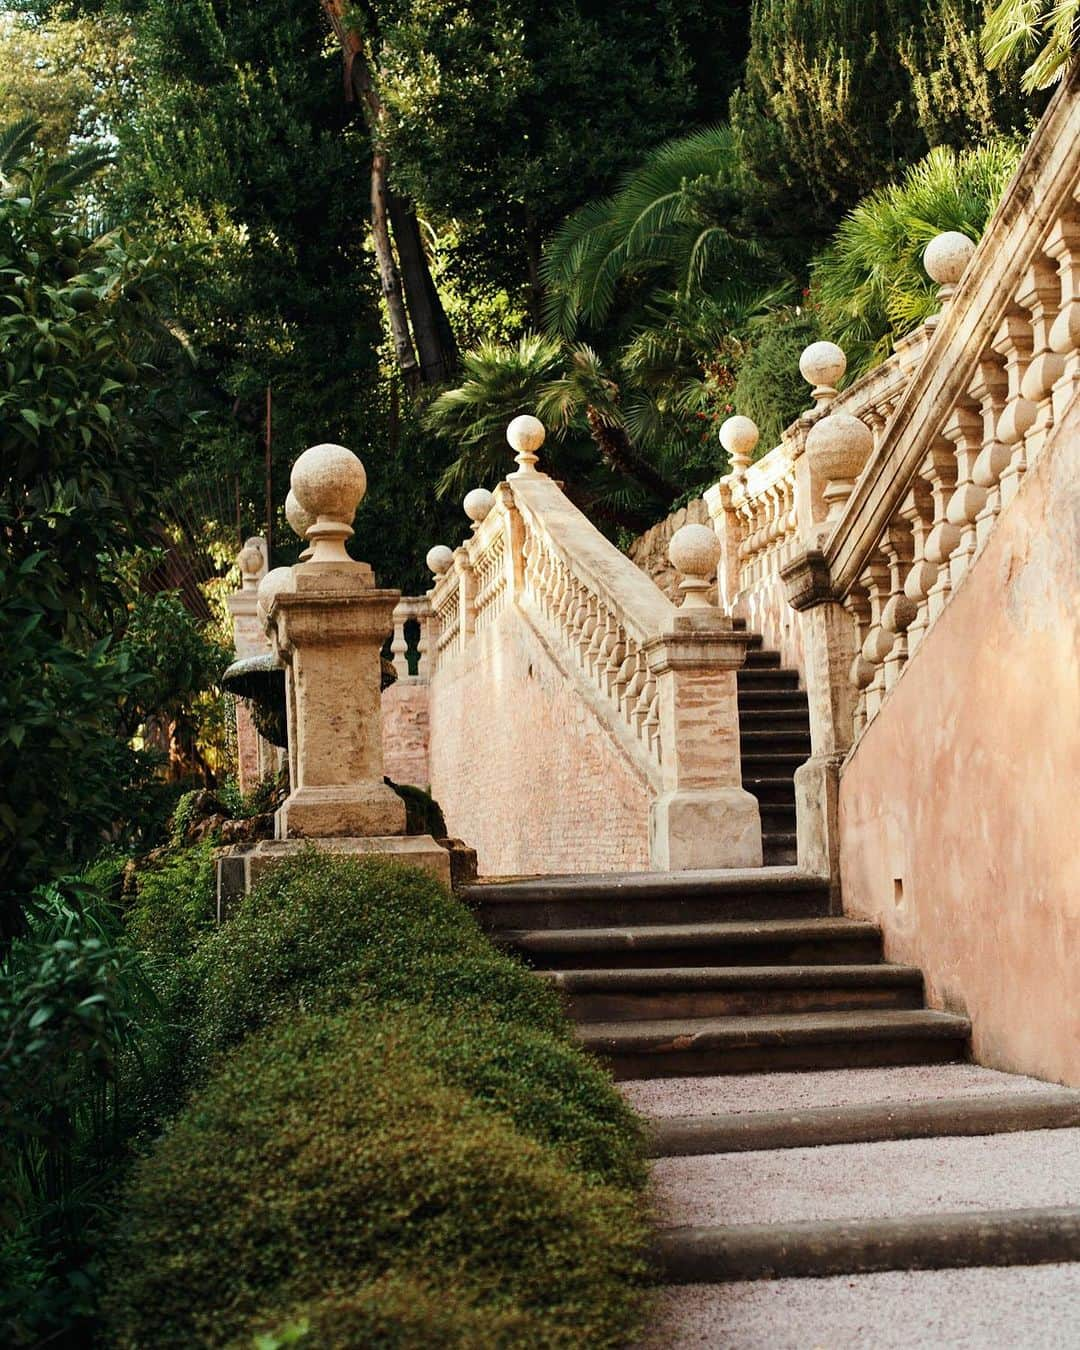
(255, 757)
(328, 622)
(703, 817)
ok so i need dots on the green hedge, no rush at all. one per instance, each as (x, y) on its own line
(323, 1156)
(322, 931)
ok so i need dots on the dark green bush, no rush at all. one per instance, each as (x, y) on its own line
(769, 387)
(320, 932)
(323, 1156)
(174, 905)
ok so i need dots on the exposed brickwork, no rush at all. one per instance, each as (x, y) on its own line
(405, 733)
(523, 769)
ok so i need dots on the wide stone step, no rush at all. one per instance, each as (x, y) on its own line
(770, 787)
(757, 762)
(761, 739)
(681, 1046)
(771, 942)
(759, 658)
(770, 1251)
(753, 699)
(635, 898)
(711, 991)
(749, 678)
(779, 849)
(773, 719)
(749, 1131)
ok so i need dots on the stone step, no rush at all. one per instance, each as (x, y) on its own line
(758, 658)
(771, 788)
(761, 700)
(750, 679)
(769, 942)
(680, 1046)
(770, 1251)
(773, 719)
(634, 898)
(777, 817)
(745, 1131)
(988, 1308)
(756, 740)
(779, 850)
(727, 991)
(761, 763)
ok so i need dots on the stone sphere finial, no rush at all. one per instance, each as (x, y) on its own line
(695, 552)
(251, 560)
(439, 559)
(477, 505)
(946, 257)
(299, 520)
(329, 483)
(837, 447)
(278, 579)
(739, 436)
(822, 365)
(525, 435)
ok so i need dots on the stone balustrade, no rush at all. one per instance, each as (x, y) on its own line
(659, 679)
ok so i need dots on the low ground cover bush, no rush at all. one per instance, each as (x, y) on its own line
(323, 1156)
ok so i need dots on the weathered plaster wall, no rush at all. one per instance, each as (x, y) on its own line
(523, 770)
(960, 806)
(405, 733)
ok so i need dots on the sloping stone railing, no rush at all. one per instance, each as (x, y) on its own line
(538, 595)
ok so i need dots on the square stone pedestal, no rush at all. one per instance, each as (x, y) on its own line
(239, 868)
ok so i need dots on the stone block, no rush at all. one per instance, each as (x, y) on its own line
(719, 827)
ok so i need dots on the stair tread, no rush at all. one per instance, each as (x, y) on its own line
(864, 1122)
(619, 885)
(721, 977)
(687, 1033)
(690, 934)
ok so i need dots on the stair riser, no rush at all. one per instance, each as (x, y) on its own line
(688, 1063)
(633, 911)
(835, 953)
(749, 681)
(780, 793)
(797, 744)
(773, 719)
(631, 1007)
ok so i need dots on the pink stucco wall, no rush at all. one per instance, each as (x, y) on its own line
(960, 806)
(524, 771)
(405, 733)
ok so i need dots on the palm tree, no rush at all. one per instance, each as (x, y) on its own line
(870, 285)
(1045, 30)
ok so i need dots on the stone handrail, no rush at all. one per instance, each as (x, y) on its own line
(1001, 367)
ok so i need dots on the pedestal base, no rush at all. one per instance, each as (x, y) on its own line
(343, 811)
(817, 808)
(239, 869)
(689, 830)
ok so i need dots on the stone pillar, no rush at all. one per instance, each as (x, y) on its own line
(703, 817)
(255, 757)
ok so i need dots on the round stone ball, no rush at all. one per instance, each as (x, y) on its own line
(947, 256)
(838, 446)
(694, 550)
(250, 558)
(739, 436)
(277, 579)
(329, 481)
(298, 518)
(525, 434)
(439, 559)
(823, 364)
(477, 504)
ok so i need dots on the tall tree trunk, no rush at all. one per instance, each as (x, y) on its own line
(619, 454)
(394, 222)
(434, 337)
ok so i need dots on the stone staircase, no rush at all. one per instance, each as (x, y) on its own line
(774, 735)
(809, 1115)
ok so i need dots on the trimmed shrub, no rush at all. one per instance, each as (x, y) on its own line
(320, 932)
(174, 906)
(322, 1157)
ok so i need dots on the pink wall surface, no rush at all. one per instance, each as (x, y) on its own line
(405, 733)
(960, 806)
(523, 769)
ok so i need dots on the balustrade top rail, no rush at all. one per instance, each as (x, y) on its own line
(1042, 189)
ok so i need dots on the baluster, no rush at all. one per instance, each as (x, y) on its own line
(652, 721)
(878, 642)
(964, 428)
(989, 386)
(1040, 293)
(592, 655)
(644, 704)
(1063, 245)
(632, 676)
(862, 672)
(399, 647)
(918, 511)
(423, 645)
(940, 472)
(588, 627)
(1013, 342)
(612, 651)
(898, 547)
